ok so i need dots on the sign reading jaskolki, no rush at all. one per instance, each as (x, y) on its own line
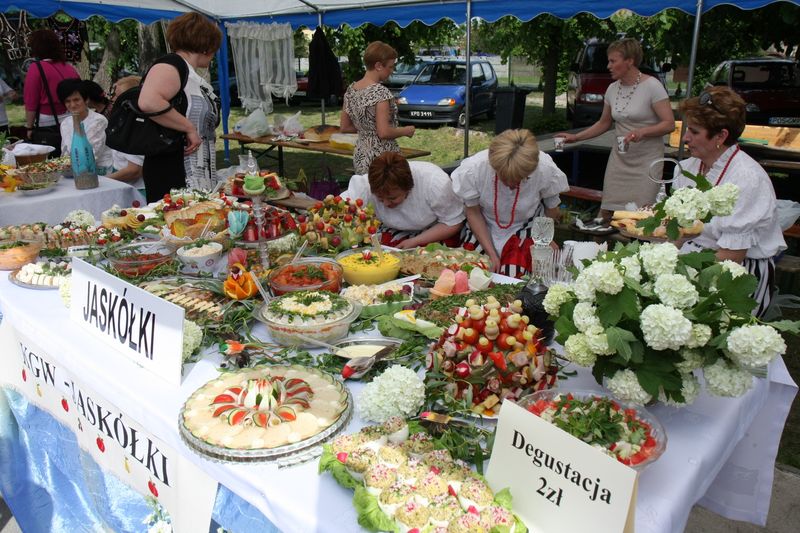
(145, 328)
(559, 483)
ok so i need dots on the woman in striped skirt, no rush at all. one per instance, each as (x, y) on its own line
(504, 188)
(751, 235)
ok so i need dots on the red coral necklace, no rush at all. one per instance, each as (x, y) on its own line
(703, 168)
(513, 207)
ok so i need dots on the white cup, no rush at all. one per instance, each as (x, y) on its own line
(559, 143)
(622, 145)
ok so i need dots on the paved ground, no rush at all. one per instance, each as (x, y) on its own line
(784, 513)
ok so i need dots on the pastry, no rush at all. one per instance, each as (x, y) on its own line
(320, 133)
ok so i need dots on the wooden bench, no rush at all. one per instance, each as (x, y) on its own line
(583, 193)
(793, 232)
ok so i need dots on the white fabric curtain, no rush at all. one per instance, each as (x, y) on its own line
(263, 56)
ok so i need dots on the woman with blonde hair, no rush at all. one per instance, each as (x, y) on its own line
(504, 188)
(638, 107)
(751, 235)
(369, 108)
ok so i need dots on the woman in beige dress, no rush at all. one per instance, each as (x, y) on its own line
(638, 105)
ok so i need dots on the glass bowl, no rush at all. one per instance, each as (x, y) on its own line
(657, 431)
(14, 257)
(138, 259)
(303, 274)
(375, 272)
(194, 260)
(300, 331)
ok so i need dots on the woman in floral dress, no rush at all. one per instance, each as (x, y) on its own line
(370, 110)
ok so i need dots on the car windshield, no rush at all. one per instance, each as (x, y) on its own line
(443, 74)
(406, 68)
(595, 59)
(765, 76)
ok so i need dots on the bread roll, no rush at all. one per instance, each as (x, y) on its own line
(635, 215)
(320, 133)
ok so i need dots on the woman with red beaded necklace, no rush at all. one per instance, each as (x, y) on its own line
(503, 189)
(751, 235)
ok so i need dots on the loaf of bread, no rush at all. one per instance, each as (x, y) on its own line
(635, 215)
(320, 133)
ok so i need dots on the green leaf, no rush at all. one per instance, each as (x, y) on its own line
(504, 499)
(611, 307)
(673, 229)
(564, 327)
(697, 260)
(637, 352)
(620, 341)
(736, 293)
(329, 463)
(649, 224)
(709, 275)
(370, 515)
(789, 326)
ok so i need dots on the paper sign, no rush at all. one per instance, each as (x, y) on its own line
(119, 444)
(558, 482)
(145, 328)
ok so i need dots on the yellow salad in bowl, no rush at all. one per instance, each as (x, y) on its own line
(364, 266)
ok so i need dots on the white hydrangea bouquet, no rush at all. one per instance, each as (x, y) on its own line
(686, 205)
(649, 321)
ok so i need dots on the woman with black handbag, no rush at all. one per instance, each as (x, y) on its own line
(184, 102)
(43, 111)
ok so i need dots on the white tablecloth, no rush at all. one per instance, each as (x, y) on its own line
(53, 207)
(721, 452)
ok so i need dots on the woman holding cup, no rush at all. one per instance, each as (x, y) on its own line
(638, 107)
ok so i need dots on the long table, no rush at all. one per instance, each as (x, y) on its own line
(323, 147)
(53, 207)
(720, 453)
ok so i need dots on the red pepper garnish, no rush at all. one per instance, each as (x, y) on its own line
(499, 361)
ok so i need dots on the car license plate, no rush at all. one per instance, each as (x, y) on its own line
(784, 121)
(420, 113)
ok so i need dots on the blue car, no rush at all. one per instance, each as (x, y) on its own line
(438, 94)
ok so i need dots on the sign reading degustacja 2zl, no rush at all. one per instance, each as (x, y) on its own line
(558, 482)
(146, 329)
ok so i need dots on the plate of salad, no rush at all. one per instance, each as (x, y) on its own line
(625, 431)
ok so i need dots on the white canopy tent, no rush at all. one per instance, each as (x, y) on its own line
(357, 12)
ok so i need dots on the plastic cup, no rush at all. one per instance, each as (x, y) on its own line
(559, 143)
(622, 145)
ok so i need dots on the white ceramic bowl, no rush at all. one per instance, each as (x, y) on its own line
(207, 262)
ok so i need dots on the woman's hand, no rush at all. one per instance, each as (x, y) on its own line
(495, 259)
(406, 244)
(634, 136)
(409, 131)
(568, 137)
(193, 142)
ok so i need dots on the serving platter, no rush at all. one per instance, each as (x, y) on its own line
(37, 192)
(12, 277)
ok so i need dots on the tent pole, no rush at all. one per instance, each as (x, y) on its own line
(692, 61)
(468, 94)
(224, 86)
(322, 100)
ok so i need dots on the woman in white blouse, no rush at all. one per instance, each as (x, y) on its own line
(751, 235)
(72, 93)
(414, 201)
(503, 189)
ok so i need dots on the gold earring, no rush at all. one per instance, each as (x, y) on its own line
(717, 147)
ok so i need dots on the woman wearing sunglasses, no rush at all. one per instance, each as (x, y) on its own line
(751, 235)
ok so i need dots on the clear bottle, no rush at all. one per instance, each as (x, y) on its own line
(81, 153)
(252, 164)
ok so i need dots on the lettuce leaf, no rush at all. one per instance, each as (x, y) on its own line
(329, 463)
(503, 498)
(401, 329)
(370, 515)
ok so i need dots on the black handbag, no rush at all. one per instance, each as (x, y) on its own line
(46, 135)
(131, 131)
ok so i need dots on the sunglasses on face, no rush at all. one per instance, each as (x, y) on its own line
(705, 99)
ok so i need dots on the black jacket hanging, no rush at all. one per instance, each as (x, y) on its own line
(324, 72)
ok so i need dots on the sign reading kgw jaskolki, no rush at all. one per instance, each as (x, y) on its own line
(145, 328)
(559, 483)
(120, 445)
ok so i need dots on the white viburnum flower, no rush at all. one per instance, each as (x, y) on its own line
(675, 290)
(585, 316)
(557, 295)
(722, 199)
(690, 389)
(597, 340)
(658, 259)
(633, 268)
(724, 379)
(192, 337)
(734, 268)
(686, 205)
(80, 217)
(604, 277)
(398, 391)
(664, 327)
(700, 336)
(583, 287)
(692, 360)
(755, 346)
(625, 386)
(577, 350)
